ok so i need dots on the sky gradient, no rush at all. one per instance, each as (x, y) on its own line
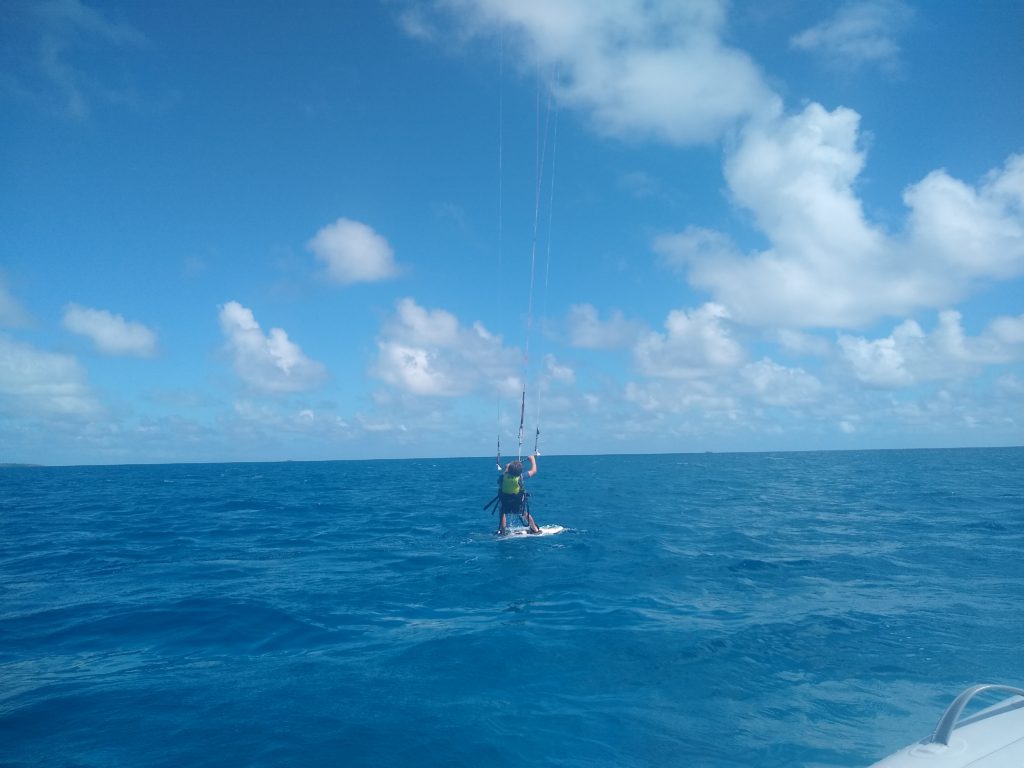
(250, 231)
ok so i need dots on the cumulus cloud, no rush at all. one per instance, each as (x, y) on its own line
(909, 356)
(726, 394)
(42, 383)
(665, 397)
(774, 384)
(353, 253)
(695, 344)
(643, 69)
(637, 67)
(588, 331)
(1006, 332)
(882, 362)
(112, 334)
(800, 343)
(859, 33)
(828, 266)
(796, 176)
(269, 363)
(428, 352)
(975, 233)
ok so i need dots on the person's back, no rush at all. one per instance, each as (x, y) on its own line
(511, 484)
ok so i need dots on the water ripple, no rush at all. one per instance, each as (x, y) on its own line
(712, 610)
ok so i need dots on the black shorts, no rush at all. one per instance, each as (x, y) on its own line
(513, 504)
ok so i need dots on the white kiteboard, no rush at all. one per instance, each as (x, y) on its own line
(545, 530)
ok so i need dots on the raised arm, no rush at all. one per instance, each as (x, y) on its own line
(533, 466)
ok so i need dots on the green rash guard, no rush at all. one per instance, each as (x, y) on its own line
(512, 494)
(511, 485)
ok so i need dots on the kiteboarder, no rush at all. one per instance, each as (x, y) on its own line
(512, 495)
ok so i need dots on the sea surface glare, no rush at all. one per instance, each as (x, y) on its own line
(791, 609)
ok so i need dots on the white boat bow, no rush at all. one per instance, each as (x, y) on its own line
(991, 738)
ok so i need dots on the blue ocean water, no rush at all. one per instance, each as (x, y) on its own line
(791, 609)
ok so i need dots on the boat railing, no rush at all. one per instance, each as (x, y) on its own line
(948, 722)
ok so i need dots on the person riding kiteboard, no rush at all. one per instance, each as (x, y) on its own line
(512, 496)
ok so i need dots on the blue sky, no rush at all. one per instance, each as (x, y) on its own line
(258, 231)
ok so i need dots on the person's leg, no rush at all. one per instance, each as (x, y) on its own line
(501, 524)
(534, 528)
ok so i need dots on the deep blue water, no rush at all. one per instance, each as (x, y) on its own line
(800, 609)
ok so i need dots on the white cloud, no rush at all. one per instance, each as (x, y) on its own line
(909, 355)
(881, 362)
(695, 344)
(269, 418)
(71, 16)
(427, 352)
(12, 314)
(694, 244)
(642, 185)
(975, 233)
(588, 331)
(650, 69)
(777, 385)
(644, 69)
(42, 383)
(112, 334)
(1006, 332)
(353, 253)
(1012, 387)
(859, 33)
(800, 343)
(828, 266)
(796, 176)
(267, 363)
(637, 67)
(558, 372)
(667, 397)
(64, 28)
(415, 23)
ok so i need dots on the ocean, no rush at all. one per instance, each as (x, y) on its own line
(773, 609)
